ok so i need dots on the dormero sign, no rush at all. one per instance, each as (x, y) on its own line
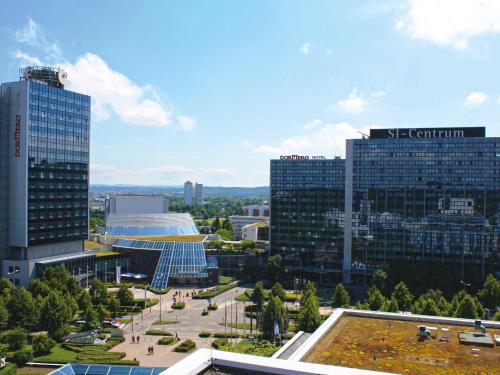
(428, 133)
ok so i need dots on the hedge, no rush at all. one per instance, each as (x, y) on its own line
(212, 307)
(226, 334)
(158, 332)
(167, 340)
(211, 293)
(178, 305)
(9, 369)
(185, 346)
(217, 343)
(21, 357)
(205, 334)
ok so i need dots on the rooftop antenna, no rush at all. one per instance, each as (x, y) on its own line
(365, 136)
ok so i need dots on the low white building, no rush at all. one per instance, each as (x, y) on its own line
(239, 221)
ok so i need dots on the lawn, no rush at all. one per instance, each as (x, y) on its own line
(160, 322)
(58, 355)
(253, 347)
(393, 346)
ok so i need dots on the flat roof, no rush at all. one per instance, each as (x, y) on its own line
(62, 258)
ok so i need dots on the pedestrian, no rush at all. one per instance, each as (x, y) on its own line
(133, 339)
(152, 349)
(138, 339)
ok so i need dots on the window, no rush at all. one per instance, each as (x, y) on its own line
(11, 269)
(16, 282)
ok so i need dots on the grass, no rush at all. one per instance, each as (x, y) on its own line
(241, 325)
(261, 348)
(105, 254)
(212, 292)
(89, 245)
(58, 355)
(393, 346)
(158, 332)
(247, 296)
(187, 238)
(160, 322)
(225, 280)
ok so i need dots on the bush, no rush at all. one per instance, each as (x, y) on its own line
(204, 334)
(217, 343)
(204, 313)
(158, 332)
(212, 307)
(9, 369)
(215, 291)
(42, 344)
(178, 305)
(226, 334)
(15, 338)
(167, 340)
(185, 346)
(21, 357)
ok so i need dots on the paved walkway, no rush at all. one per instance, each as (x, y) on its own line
(191, 323)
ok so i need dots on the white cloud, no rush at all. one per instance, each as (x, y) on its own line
(305, 49)
(313, 124)
(498, 100)
(327, 139)
(25, 58)
(111, 90)
(378, 94)
(186, 123)
(449, 22)
(246, 143)
(475, 99)
(353, 104)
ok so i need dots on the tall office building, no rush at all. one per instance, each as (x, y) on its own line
(307, 215)
(412, 195)
(188, 193)
(44, 166)
(198, 194)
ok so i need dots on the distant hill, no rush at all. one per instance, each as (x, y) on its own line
(214, 191)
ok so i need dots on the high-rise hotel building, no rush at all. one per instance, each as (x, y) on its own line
(44, 169)
(418, 195)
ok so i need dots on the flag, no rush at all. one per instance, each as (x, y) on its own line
(118, 274)
(276, 328)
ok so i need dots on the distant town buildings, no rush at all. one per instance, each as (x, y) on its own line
(415, 195)
(193, 194)
(256, 210)
(239, 221)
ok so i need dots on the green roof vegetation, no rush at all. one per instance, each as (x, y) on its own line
(105, 254)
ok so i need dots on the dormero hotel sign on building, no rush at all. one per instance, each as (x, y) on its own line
(428, 133)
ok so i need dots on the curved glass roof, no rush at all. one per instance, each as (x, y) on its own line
(91, 369)
(137, 225)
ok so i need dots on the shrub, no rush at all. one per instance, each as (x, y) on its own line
(212, 307)
(204, 313)
(204, 334)
(178, 305)
(185, 346)
(15, 338)
(158, 332)
(42, 344)
(217, 343)
(21, 357)
(226, 334)
(9, 369)
(167, 340)
(215, 291)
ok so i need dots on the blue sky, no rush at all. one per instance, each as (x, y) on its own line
(211, 90)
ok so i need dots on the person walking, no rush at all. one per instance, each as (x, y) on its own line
(138, 339)
(133, 339)
(152, 349)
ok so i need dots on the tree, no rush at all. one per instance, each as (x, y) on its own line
(341, 297)
(216, 225)
(15, 338)
(114, 306)
(125, 296)
(489, 295)
(496, 317)
(98, 292)
(379, 278)
(225, 234)
(309, 317)
(59, 278)
(275, 313)
(6, 287)
(42, 344)
(391, 305)
(22, 310)
(470, 308)
(217, 244)
(426, 306)
(375, 299)
(278, 291)
(247, 245)
(250, 268)
(102, 312)
(274, 268)
(258, 298)
(55, 315)
(38, 287)
(226, 224)
(21, 357)
(432, 302)
(88, 312)
(403, 296)
(4, 316)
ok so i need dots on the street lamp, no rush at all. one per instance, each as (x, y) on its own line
(367, 238)
(464, 285)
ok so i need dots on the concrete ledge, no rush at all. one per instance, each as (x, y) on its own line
(287, 345)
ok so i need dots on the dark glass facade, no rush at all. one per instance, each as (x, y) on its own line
(58, 159)
(417, 200)
(307, 214)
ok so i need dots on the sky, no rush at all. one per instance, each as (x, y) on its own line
(210, 91)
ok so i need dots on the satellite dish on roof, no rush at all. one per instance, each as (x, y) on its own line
(62, 75)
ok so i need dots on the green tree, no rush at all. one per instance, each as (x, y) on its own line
(278, 291)
(496, 317)
(114, 306)
(4, 315)
(341, 297)
(59, 278)
(42, 344)
(225, 234)
(379, 279)
(98, 292)
(21, 357)
(258, 298)
(217, 244)
(432, 302)
(469, 307)
(22, 310)
(274, 268)
(88, 312)
(216, 225)
(39, 287)
(274, 312)
(250, 268)
(125, 296)
(55, 315)
(489, 295)
(6, 287)
(403, 296)
(15, 338)
(309, 316)
(376, 299)
(247, 244)
(391, 305)
(102, 312)
(226, 224)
